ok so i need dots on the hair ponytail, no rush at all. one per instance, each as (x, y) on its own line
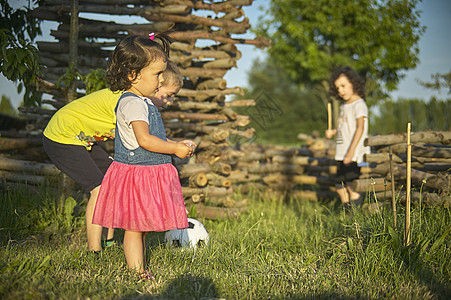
(165, 41)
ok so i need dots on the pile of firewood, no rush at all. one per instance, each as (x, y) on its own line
(205, 36)
(204, 49)
(305, 172)
(430, 167)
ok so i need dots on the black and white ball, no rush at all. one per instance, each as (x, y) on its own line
(193, 236)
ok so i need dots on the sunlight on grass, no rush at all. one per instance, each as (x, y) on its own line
(278, 249)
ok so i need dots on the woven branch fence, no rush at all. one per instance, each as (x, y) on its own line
(206, 35)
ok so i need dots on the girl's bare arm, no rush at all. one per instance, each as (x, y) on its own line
(155, 144)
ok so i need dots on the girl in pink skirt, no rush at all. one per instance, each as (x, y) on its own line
(141, 190)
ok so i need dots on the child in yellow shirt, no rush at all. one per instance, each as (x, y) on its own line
(71, 135)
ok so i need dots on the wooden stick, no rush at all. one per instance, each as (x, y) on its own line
(329, 116)
(408, 183)
(393, 200)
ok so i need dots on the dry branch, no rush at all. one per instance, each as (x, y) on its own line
(18, 177)
(443, 137)
(202, 72)
(19, 143)
(28, 167)
(441, 182)
(227, 25)
(224, 6)
(208, 191)
(422, 150)
(201, 95)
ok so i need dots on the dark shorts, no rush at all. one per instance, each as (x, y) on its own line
(85, 167)
(346, 174)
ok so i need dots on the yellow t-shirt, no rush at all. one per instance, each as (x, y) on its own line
(85, 121)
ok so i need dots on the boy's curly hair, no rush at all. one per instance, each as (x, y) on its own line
(131, 55)
(356, 80)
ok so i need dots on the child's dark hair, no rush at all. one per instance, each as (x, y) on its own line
(131, 55)
(358, 85)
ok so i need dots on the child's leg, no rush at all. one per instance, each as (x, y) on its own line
(352, 195)
(103, 161)
(93, 231)
(86, 169)
(144, 249)
(353, 173)
(343, 194)
(340, 184)
(134, 249)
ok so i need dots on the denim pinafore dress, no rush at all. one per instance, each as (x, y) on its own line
(141, 190)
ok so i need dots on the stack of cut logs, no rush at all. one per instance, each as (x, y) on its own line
(305, 173)
(204, 49)
(430, 167)
(217, 169)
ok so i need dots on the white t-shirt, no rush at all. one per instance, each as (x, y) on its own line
(347, 125)
(131, 108)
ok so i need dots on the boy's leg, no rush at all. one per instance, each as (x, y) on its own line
(103, 160)
(83, 167)
(93, 231)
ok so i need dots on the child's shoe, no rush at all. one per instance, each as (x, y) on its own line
(107, 243)
(146, 276)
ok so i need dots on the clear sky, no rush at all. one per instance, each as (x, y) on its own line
(434, 45)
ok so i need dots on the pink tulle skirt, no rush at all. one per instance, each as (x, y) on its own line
(141, 198)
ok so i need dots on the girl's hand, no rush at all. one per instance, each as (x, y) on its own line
(330, 133)
(190, 144)
(182, 150)
(347, 160)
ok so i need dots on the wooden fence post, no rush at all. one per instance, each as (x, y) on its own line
(73, 49)
(408, 184)
(392, 179)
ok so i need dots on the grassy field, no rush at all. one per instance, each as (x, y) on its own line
(277, 250)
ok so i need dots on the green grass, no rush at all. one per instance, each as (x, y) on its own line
(277, 250)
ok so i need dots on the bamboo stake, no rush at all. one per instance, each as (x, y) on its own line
(393, 200)
(407, 223)
(329, 116)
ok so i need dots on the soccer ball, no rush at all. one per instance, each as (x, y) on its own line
(193, 236)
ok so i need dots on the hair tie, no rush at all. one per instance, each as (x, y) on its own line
(152, 36)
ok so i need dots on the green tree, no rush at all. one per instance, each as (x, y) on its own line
(392, 116)
(376, 37)
(19, 59)
(282, 108)
(439, 82)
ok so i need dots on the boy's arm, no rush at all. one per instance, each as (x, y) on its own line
(355, 140)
